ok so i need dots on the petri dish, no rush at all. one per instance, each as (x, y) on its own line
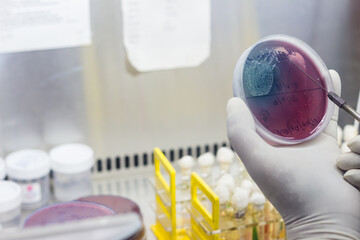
(117, 203)
(120, 205)
(273, 79)
(65, 212)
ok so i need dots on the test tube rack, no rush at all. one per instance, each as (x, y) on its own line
(165, 227)
(206, 223)
(210, 225)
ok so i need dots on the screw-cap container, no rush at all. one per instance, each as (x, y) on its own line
(72, 158)
(71, 164)
(10, 196)
(27, 164)
(30, 169)
(10, 204)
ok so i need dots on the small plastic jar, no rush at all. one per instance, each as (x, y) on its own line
(2, 169)
(30, 169)
(65, 212)
(10, 204)
(71, 164)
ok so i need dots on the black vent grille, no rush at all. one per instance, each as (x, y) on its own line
(145, 159)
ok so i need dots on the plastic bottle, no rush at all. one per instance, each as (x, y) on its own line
(30, 169)
(71, 164)
(10, 204)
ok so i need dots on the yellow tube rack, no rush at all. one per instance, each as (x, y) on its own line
(167, 210)
(212, 219)
(205, 219)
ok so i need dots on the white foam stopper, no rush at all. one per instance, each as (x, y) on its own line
(247, 185)
(349, 132)
(206, 159)
(240, 198)
(223, 192)
(257, 198)
(225, 155)
(339, 135)
(228, 180)
(186, 162)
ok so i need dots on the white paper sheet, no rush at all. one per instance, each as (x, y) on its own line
(27, 25)
(166, 34)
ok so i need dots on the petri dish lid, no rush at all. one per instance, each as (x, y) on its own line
(10, 195)
(27, 164)
(65, 212)
(72, 158)
(2, 169)
(272, 77)
(119, 204)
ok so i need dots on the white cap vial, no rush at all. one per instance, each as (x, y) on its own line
(206, 161)
(258, 200)
(225, 157)
(223, 192)
(10, 204)
(71, 164)
(240, 201)
(227, 180)
(30, 169)
(186, 163)
(247, 185)
(2, 169)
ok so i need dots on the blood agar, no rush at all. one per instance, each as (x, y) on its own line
(119, 204)
(272, 77)
(65, 212)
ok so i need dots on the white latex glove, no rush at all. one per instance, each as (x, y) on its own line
(302, 181)
(350, 162)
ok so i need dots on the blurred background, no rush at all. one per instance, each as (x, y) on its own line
(93, 94)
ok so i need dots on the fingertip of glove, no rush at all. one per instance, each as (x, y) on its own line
(353, 176)
(336, 81)
(334, 74)
(341, 161)
(234, 104)
(354, 144)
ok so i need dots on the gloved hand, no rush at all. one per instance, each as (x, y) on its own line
(350, 162)
(301, 181)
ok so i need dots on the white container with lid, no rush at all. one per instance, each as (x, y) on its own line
(30, 169)
(10, 204)
(2, 169)
(71, 164)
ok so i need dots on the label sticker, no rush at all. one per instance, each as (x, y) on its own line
(31, 192)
